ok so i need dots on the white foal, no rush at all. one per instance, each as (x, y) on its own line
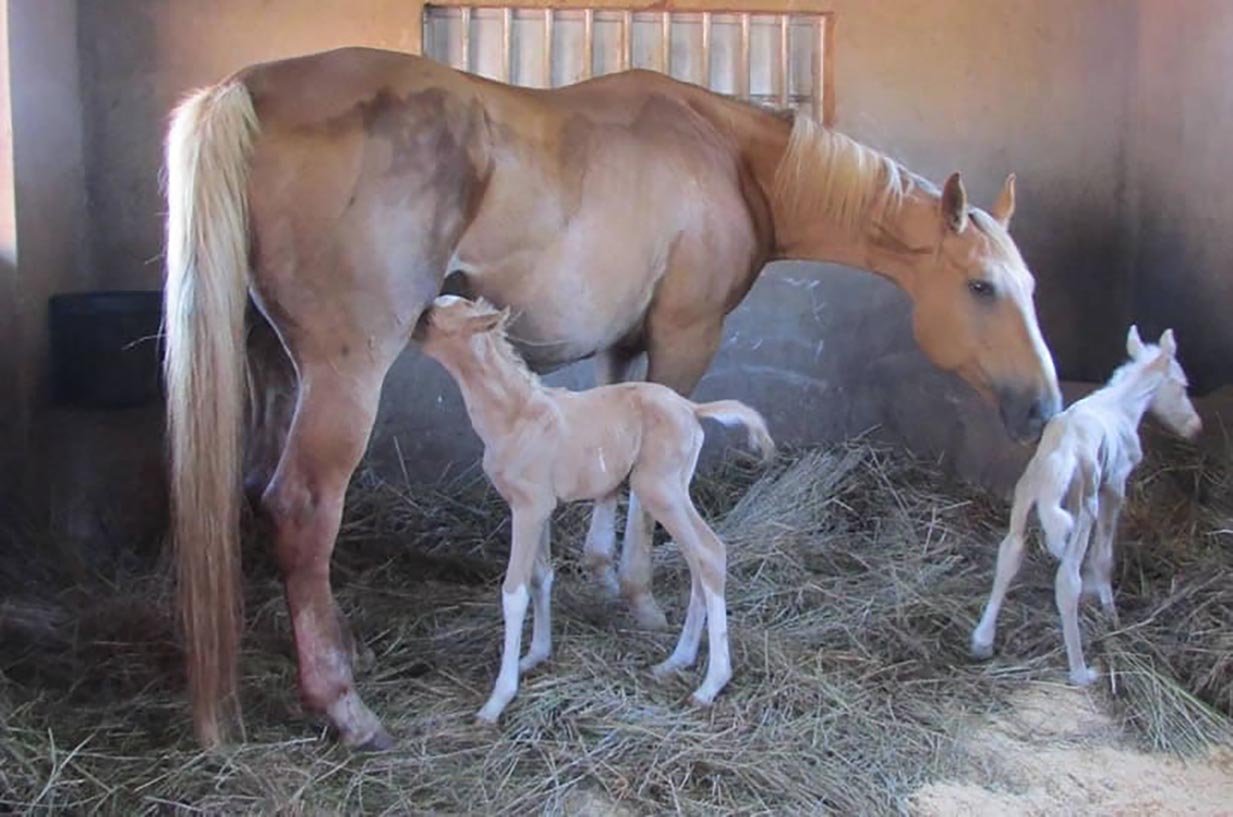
(1077, 481)
(545, 445)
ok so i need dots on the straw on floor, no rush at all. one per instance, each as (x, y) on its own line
(856, 574)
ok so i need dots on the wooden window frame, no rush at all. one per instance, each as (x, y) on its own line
(823, 67)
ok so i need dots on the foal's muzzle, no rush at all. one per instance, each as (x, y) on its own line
(1025, 412)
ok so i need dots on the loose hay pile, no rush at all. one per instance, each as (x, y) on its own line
(856, 575)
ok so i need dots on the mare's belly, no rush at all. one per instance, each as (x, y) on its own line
(580, 292)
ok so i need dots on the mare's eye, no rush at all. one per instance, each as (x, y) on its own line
(981, 288)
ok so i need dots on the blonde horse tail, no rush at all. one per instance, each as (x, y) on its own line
(734, 412)
(208, 146)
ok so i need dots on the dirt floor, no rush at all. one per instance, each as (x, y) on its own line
(1056, 752)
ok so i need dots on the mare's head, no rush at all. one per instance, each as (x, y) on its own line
(971, 290)
(1170, 403)
(973, 312)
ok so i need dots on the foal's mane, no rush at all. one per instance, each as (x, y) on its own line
(832, 175)
(505, 350)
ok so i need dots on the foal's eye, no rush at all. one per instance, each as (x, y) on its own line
(981, 288)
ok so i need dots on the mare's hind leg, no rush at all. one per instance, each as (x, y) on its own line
(304, 501)
(676, 358)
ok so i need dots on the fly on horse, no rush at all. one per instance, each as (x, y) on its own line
(621, 216)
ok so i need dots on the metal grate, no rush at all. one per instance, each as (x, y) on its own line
(777, 59)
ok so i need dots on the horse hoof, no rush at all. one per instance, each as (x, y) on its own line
(982, 651)
(381, 741)
(647, 614)
(1084, 677)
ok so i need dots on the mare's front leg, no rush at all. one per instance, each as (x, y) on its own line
(529, 520)
(677, 357)
(611, 366)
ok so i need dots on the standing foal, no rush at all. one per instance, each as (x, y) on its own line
(544, 445)
(1085, 456)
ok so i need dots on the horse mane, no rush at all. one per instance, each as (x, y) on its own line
(833, 175)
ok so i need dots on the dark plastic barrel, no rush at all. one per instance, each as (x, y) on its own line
(105, 348)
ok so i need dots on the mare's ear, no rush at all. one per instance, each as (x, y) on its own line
(1004, 207)
(1134, 344)
(954, 204)
(1168, 344)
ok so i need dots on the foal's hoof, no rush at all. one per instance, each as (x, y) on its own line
(381, 741)
(665, 669)
(1084, 677)
(982, 651)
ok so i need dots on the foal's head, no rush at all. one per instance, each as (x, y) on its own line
(452, 321)
(1170, 404)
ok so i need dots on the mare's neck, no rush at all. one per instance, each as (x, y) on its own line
(495, 386)
(811, 219)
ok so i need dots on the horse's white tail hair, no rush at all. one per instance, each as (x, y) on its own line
(734, 412)
(208, 147)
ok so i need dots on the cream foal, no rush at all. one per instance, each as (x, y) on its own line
(544, 445)
(1085, 456)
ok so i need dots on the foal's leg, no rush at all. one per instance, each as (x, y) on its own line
(1067, 590)
(676, 357)
(705, 553)
(304, 502)
(541, 600)
(1010, 558)
(528, 533)
(1099, 574)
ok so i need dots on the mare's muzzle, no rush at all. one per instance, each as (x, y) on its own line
(1025, 411)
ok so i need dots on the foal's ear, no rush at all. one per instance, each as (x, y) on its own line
(955, 204)
(1134, 344)
(487, 321)
(1004, 207)
(1168, 344)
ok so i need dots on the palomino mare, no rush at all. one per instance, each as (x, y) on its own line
(624, 215)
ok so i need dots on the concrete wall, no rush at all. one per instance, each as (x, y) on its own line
(48, 192)
(13, 414)
(1181, 184)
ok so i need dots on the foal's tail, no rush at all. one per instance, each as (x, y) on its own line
(734, 412)
(208, 147)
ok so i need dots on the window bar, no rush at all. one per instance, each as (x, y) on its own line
(819, 72)
(706, 49)
(665, 42)
(507, 31)
(627, 39)
(588, 43)
(785, 77)
(464, 16)
(546, 68)
(742, 69)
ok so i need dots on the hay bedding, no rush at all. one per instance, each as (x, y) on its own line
(856, 574)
